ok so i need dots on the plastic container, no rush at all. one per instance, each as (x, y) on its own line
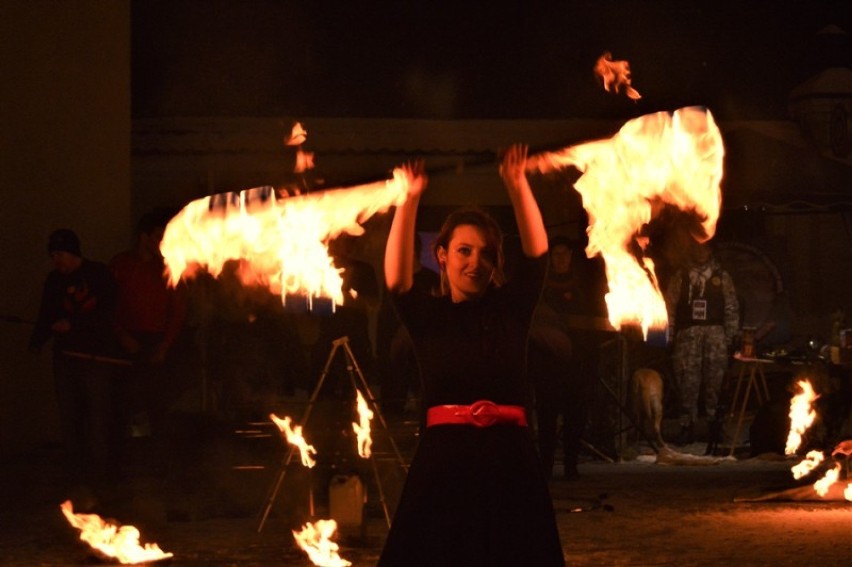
(347, 495)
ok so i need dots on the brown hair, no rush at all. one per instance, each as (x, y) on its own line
(479, 218)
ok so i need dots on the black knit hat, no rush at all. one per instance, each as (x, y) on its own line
(63, 240)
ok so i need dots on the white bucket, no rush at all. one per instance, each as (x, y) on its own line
(347, 496)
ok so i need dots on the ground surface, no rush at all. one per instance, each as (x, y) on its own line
(630, 513)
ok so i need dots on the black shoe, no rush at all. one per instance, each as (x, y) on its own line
(686, 436)
(571, 473)
(714, 436)
(569, 468)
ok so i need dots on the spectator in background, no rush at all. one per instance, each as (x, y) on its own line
(149, 317)
(703, 313)
(76, 312)
(563, 355)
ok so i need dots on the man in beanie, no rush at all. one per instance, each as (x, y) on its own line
(76, 312)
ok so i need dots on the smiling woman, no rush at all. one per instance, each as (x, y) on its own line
(469, 250)
(476, 492)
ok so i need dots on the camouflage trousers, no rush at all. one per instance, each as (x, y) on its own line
(699, 361)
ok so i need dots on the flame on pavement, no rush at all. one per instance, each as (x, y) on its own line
(315, 540)
(811, 461)
(615, 75)
(802, 415)
(830, 477)
(294, 437)
(298, 135)
(113, 541)
(362, 429)
(280, 242)
(653, 160)
(304, 160)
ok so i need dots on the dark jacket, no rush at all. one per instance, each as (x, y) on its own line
(86, 298)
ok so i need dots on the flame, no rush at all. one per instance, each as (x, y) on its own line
(802, 415)
(661, 158)
(295, 438)
(615, 74)
(830, 477)
(315, 540)
(298, 135)
(281, 242)
(811, 461)
(362, 430)
(304, 161)
(118, 542)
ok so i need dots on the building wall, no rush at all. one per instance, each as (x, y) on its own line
(64, 162)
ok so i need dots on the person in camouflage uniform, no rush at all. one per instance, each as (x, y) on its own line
(704, 320)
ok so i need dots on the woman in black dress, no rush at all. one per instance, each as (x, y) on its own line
(475, 492)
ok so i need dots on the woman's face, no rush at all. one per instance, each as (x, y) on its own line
(468, 263)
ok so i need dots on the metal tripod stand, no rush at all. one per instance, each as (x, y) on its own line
(353, 370)
(621, 377)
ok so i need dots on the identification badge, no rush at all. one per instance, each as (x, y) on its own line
(699, 310)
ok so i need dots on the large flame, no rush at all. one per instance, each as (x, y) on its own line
(315, 539)
(362, 429)
(113, 541)
(615, 75)
(662, 158)
(281, 242)
(294, 437)
(802, 415)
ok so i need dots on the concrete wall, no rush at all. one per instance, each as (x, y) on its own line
(64, 161)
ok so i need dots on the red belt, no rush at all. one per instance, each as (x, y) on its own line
(481, 414)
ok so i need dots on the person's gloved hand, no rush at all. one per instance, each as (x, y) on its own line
(843, 448)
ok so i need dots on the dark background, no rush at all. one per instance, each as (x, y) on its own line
(476, 60)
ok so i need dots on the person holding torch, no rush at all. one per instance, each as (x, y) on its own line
(476, 492)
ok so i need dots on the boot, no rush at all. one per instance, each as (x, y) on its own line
(686, 435)
(714, 435)
(570, 469)
(547, 467)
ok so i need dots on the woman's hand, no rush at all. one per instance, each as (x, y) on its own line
(61, 326)
(527, 215)
(513, 168)
(415, 176)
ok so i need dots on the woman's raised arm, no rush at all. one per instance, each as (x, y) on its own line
(399, 250)
(527, 214)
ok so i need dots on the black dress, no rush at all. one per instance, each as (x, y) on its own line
(474, 495)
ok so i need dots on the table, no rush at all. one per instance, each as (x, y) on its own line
(750, 371)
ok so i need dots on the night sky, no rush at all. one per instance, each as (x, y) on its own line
(476, 60)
